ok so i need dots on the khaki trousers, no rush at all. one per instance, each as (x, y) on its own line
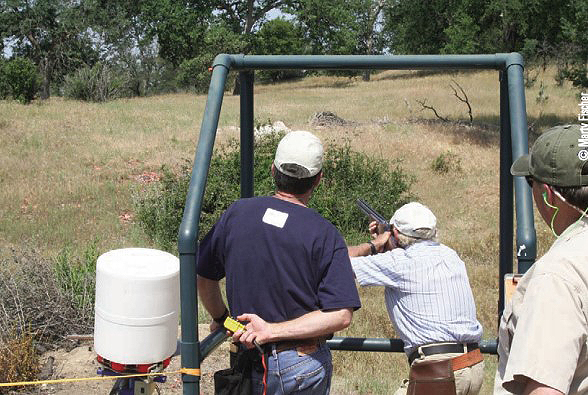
(468, 381)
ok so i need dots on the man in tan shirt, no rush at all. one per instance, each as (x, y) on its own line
(543, 335)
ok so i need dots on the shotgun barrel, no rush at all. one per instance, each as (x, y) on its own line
(383, 225)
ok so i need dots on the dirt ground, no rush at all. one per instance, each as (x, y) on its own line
(81, 362)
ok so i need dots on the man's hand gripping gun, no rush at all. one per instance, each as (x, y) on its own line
(383, 225)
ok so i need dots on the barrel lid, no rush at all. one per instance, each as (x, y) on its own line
(138, 263)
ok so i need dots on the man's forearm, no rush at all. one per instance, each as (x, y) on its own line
(211, 297)
(363, 249)
(315, 323)
(535, 388)
(380, 243)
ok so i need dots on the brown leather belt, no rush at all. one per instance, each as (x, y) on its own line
(294, 343)
(466, 360)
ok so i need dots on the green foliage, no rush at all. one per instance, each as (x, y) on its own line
(76, 276)
(480, 26)
(98, 83)
(54, 35)
(4, 87)
(416, 27)
(134, 26)
(33, 301)
(575, 33)
(279, 37)
(159, 206)
(195, 72)
(348, 175)
(446, 162)
(462, 35)
(330, 27)
(18, 79)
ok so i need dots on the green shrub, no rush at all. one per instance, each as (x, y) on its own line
(98, 83)
(348, 175)
(33, 301)
(4, 87)
(219, 38)
(76, 277)
(193, 73)
(446, 162)
(18, 79)
(159, 206)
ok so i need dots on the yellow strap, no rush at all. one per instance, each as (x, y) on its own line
(192, 372)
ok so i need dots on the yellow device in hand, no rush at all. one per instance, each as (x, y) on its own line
(233, 325)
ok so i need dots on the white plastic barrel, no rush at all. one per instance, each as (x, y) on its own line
(137, 304)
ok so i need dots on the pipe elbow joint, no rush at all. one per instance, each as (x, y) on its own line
(223, 59)
(514, 58)
(187, 241)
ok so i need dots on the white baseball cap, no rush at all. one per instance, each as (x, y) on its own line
(299, 154)
(414, 219)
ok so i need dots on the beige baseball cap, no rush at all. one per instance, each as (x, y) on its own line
(299, 154)
(414, 219)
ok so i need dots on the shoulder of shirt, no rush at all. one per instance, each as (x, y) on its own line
(433, 245)
(277, 204)
(562, 256)
(565, 260)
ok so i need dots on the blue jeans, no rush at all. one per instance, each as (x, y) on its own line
(291, 372)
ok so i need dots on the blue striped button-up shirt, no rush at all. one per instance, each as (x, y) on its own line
(428, 295)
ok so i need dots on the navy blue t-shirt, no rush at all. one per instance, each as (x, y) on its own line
(281, 260)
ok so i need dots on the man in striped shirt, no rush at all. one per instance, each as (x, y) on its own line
(427, 292)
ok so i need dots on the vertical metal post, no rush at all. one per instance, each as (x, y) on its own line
(506, 193)
(526, 236)
(188, 233)
(247, 140)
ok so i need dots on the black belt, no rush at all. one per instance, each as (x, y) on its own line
(441, 349)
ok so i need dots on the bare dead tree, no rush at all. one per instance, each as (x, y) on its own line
(424, 106)
(462, 98)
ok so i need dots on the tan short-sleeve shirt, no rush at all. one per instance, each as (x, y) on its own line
(543, 332)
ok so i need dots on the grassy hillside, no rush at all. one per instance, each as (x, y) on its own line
(68, 170)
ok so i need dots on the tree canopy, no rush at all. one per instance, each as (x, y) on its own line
(163, 45)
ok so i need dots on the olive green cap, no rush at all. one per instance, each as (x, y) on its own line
(557, 158)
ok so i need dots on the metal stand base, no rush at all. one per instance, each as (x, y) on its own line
(133, 385)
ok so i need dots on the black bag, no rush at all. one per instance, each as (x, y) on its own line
(237, 379)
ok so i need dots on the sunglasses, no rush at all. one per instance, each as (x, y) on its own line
(529, 180)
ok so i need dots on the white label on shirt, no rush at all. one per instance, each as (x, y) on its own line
(275, 218)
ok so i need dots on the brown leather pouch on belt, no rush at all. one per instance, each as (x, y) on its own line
(431, 377)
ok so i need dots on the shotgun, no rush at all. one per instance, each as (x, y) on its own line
(383, 225)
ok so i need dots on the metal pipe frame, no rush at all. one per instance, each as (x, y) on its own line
(513, 141)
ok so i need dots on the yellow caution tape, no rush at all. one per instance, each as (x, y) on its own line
(192, 372)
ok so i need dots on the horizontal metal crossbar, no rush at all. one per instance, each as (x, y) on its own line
(498, 61)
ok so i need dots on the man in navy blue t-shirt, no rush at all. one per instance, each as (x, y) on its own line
(288, 275)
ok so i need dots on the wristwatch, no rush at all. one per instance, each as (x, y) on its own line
(373, 248)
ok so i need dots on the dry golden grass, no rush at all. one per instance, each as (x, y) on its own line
(67, 170)
(18, 361)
